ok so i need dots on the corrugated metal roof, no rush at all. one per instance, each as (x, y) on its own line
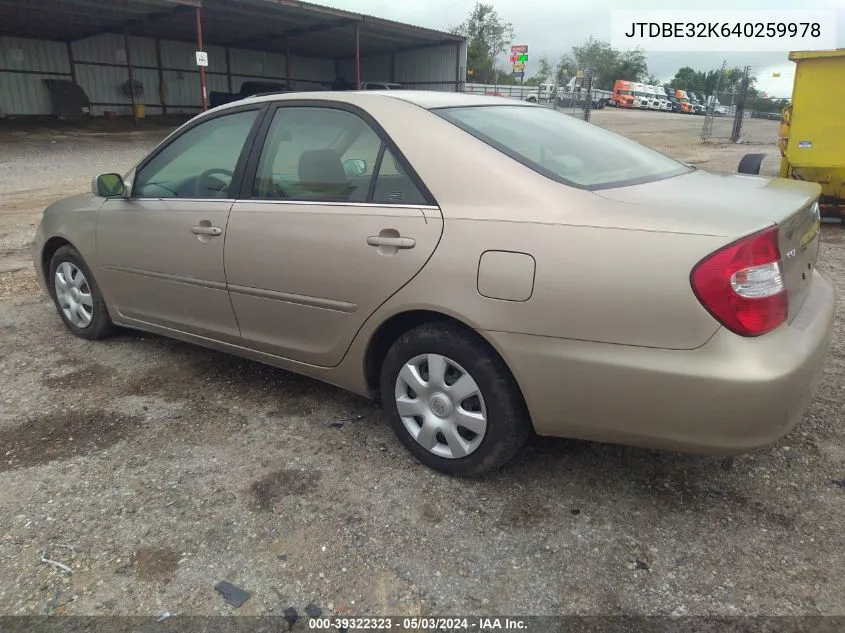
(309, 30)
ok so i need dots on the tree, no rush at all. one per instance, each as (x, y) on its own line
(488, 35)
(766, 105)
(631, 65)
(504, 77)
(543, 74)
(596, 56)
(564, 69)
(605, 63)
(688, 79)
(708, 82)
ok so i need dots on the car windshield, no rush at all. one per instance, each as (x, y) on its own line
(562, 147)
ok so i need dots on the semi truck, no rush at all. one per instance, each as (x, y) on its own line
(622, 95)
(695, 101)
(641, 97)
(683, 99)
(668, 99)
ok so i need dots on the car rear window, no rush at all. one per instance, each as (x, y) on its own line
(562, 147)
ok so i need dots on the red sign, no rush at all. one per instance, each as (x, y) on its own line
(519, 48)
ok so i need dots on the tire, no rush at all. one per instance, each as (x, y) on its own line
(99, 324)
(750, 164)
(498, 400)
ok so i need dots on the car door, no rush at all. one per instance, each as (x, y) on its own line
(335, 222)
(161, 249)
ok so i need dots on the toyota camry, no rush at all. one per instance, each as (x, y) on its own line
(484, 268)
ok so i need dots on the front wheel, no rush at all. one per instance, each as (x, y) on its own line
(452, 401)
(77, 296)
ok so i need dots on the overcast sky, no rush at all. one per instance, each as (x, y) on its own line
(552, 27)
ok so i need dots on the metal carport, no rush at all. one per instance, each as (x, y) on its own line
(98, 43)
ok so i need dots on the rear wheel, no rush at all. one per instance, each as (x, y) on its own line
(452, 401)
(77, 296)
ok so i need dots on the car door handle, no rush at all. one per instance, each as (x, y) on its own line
(395, 242)
(206, 230)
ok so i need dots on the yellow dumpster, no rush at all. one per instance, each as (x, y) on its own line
(812, 132)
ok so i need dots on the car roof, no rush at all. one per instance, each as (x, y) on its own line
(427, 99)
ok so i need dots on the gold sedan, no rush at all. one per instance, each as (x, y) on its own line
(483, 267)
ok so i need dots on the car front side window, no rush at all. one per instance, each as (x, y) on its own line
(199, 163)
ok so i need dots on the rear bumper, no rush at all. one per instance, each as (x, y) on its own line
(730, 396)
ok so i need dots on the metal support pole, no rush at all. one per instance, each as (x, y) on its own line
(587, 94)
(393, 67)
(202, 69)
(458, 67)
(228, 70)
(161, 88)
(357, 58)
(287, 64)
(739, 113)
(71, 62)
(131, 74)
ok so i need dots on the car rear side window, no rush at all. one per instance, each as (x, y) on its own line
(393, 184)
(325, 154)
(562, 147)
(317, 154)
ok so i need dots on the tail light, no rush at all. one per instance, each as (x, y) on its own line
(742, 284)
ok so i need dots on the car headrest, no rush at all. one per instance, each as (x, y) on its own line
(321, 168)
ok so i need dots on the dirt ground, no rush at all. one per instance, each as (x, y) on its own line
(154, 469)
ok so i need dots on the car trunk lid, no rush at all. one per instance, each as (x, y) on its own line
(799, 250)
(736, 205)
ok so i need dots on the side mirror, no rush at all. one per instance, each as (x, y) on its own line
(109, 186)
(355, 167)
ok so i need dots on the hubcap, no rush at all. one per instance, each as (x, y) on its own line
(73, 295)
(441, 406)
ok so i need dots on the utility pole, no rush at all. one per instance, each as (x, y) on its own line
(719, 78)
(710, 113)
(740, 106)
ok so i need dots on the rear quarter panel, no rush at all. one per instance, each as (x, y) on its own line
(591, 283)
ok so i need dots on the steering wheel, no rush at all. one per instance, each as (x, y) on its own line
(200, 187)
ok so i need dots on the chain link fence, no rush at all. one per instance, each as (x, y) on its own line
(577, 99)
(741, 123)
(723, 116)
(733, 116)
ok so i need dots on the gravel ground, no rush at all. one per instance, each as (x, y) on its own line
(154, 469)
